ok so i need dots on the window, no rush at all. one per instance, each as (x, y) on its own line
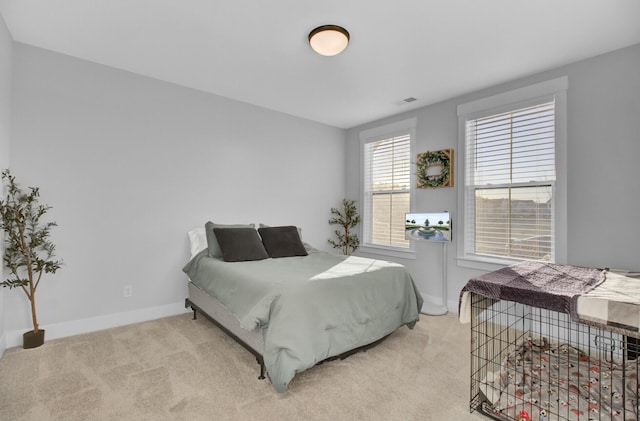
(511, 174)
(511, 177)
(387, 184)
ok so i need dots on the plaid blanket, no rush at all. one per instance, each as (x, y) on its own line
(615, 302)
(539, 284)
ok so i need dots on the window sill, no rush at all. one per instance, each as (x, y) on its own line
(387, 251)
(484, 263)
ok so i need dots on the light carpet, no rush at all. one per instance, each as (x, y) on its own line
(177, 368)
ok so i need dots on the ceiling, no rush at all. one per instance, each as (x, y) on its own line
(257, 51)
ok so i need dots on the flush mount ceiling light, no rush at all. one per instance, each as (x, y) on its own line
(329, 40)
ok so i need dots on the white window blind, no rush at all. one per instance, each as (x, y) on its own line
(387, 190)
(510, 173)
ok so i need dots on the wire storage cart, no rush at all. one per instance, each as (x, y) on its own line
(531, 363)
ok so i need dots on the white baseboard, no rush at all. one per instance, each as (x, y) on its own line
(452, 306)
(3, 344)
(92, 324)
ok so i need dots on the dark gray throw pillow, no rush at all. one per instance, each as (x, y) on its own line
(240, 244)
(212, 241)
(282, 241)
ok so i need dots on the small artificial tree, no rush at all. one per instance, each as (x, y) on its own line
(347, 218)
(29, 252)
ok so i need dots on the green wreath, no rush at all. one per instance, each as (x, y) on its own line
(425, 160)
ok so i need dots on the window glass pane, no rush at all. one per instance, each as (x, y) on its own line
(401, 206)
(514, 222)
(388, 218)
(531, 226)
(514, 147)
(390, 164)
(381, 219)
(492, 221)
(387, 187)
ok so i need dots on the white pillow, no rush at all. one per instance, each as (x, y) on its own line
(197, 240)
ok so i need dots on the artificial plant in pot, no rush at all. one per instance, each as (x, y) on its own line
(28, 251)
(348, 219)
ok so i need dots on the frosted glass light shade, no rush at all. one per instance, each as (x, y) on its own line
(329, 40)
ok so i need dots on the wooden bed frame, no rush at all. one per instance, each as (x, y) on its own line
(216, 312)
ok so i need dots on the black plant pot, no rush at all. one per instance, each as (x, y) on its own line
(32, 339)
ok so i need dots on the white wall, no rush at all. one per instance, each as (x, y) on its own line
(130, 164)
(603, 171)
(6, 63)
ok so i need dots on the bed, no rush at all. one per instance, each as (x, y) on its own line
(300, 309)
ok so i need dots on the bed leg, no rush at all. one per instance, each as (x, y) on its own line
(187, 304)
(261, 376)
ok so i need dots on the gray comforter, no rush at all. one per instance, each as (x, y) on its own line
(310, 307)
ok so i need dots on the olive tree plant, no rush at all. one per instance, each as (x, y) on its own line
(348, 219)
(28, 251)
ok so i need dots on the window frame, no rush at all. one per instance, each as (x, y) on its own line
(399, 128)
(555, 89)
